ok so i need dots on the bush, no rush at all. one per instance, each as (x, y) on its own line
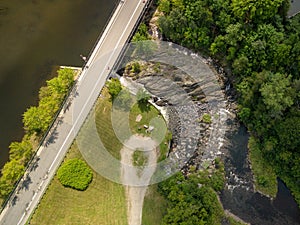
(206, 118)
(75, 173)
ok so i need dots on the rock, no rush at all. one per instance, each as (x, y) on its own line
(138, 118)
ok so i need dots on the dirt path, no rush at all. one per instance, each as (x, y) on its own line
(137, 179)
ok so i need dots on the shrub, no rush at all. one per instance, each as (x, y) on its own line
(206, 118)
(75, 173)
(136, 67)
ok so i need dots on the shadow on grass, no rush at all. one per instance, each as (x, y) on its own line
(144, 106)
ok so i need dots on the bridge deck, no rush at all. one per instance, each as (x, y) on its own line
(90, 82)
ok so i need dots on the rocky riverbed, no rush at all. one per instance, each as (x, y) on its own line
(197, 143)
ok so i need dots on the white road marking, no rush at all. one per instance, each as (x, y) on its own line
(73, 127)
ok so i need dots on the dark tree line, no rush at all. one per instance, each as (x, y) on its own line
(261, 48)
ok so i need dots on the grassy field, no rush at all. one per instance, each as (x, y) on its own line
(264, 176)
(103, 202)
(154, 207)
(151, 116)
(139, 158)
(147, 113)
(104, 125)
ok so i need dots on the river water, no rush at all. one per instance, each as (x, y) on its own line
(239, 198)
(36, 36)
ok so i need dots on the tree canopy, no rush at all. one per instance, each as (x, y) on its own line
(260, 46)
(36, 121)
(193, 199)
(114, 87)
(38, 118)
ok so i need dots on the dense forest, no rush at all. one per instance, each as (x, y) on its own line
(259, 47)
(192, 199)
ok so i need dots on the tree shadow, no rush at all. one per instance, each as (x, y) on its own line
(14, 201)
(34, 164)
(26, 182)
(51, 137)
(144, 107)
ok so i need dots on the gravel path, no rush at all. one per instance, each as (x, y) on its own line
(138, 178)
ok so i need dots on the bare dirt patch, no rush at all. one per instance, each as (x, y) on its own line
(137, 178)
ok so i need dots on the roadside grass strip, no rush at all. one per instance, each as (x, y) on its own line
(154, 208)
(103, 202)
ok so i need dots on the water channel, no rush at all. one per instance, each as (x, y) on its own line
(239, 197)
(36, 36)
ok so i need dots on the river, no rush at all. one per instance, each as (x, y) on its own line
(239, 198)
(36, 36)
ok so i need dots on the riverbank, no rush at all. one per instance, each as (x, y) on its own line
(37, 121)
(240, 153)
(36, 36)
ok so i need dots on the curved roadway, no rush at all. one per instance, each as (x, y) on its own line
(89, 84)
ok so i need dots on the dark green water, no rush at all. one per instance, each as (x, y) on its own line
(35, 36)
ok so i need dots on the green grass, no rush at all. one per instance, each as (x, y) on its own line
(148, 113)
(154, 207)
(104, 125)
(264, 176)
(103, 202)
(151, 116)
(164, 147)
(139, 158)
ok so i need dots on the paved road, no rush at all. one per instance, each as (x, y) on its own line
(89, 84)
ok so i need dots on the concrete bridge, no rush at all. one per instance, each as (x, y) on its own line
(98, 66)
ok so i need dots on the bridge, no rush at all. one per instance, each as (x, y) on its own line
(49, 156)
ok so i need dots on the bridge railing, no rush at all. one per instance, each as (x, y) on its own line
(64, 104)
(125, 47)
(101, 33)
(54, 123)
(47, 134)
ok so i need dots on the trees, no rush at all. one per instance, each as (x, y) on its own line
(36, 121)
(121, 96)
(20, 151)
(142, 33)
(192, 199)
(11, 172)
(142, 96)
(260, 48)
(114, 87)
(59, 86)
(255, 10)
(277, 93)
(75, 173)
(124, 100)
